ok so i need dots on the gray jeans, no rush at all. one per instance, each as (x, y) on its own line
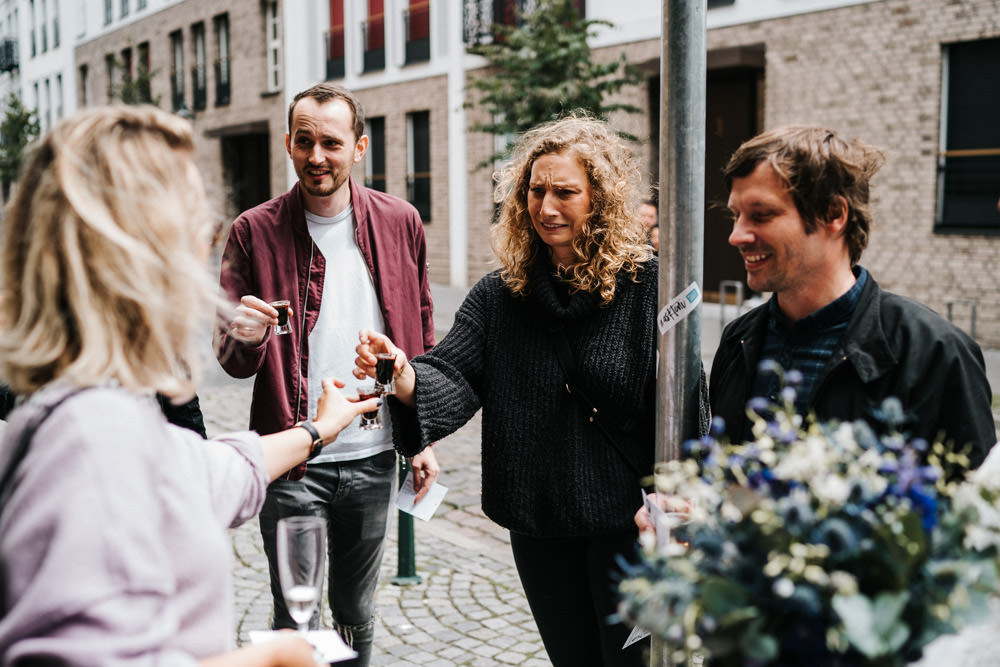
(354, 498)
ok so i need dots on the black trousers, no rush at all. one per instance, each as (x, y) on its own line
(571, 590)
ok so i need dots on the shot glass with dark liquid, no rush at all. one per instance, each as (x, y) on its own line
(283, 326)
(370, 421)
(385, 370)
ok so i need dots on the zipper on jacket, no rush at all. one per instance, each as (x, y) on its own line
(302, 330)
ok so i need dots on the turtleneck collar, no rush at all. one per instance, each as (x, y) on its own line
(552, 295)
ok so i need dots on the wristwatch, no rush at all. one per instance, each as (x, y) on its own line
(317, 445)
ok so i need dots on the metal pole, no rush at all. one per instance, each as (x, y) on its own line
(406, 554)
(682, 207)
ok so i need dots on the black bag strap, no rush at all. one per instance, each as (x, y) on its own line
(568, 363)
(24, 441)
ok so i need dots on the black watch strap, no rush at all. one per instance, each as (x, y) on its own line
(317, 445)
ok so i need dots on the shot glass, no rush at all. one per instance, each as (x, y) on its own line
(370, 421)
(672, 530)
(385, 383)
(283, 326)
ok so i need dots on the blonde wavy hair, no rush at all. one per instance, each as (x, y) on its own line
(103, 264)
(611, 240)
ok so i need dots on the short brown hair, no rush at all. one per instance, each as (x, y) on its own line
(818, 167)
(324, 92)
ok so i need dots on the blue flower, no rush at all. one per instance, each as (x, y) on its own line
(837, 534)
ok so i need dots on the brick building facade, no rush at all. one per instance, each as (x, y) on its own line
(877, 70)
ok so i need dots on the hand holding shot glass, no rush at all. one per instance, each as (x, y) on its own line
(379, 358)
(253, 316)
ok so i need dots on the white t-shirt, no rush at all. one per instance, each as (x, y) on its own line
(349, 304)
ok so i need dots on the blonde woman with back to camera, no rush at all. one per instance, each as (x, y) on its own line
(574, 303)
(113, 528)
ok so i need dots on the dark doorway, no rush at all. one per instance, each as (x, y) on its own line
(730, 119)
(246, 164)
(732, 114)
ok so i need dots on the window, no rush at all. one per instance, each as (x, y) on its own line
(969, 157)
(222, 91)
(111, 67)
(143, 72)
(481, 17)
(199, 76)
(418, 161)
(44, 27)
(712, 4)
(84, 98)
(48, 104)
(124, 9)
(373, 37)
(140, 5)
(417, 28)
(59, 97)
(34, 28)
(124, 88)
(108, 12)
(375, 162)
(55, 24)
(273, 39)
(335, 41)
(177, 71)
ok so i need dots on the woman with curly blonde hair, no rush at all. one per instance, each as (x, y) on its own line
(112, 521)
(610, 238)
(558, 348)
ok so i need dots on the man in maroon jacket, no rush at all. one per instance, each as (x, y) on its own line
(346, 258)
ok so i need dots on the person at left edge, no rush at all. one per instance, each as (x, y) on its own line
(347, 258)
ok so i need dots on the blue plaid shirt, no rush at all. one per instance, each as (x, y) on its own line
(806, 344)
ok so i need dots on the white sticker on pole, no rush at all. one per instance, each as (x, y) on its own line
(678, 308)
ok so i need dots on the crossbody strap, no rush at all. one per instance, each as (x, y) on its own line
(565, 356)
(24, 441)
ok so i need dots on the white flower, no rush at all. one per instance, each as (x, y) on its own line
(830, 489)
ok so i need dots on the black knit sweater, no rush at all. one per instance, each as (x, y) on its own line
(547, 470)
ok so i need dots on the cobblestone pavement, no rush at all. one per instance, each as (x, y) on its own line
(469, 608)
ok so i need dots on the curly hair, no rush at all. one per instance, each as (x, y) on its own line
(103, 267)
(819, 168)
(612, 238)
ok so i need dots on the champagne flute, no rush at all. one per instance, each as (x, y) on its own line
(301, 551)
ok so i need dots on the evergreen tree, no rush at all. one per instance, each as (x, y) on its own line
(542, 70)
(18, 128)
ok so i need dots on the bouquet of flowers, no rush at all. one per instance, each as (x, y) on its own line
(817, 544)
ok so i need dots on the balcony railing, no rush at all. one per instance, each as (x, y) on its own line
(373, 38)
(335, 66)
(417, 28)
(222, 85)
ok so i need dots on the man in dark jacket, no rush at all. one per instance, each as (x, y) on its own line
(346, 258)
(799, 200)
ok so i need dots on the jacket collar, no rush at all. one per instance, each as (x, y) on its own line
(298, 209)
(865, 344)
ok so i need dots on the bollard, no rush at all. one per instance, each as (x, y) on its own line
(724, 286)
(971, 304)
(406, 555)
